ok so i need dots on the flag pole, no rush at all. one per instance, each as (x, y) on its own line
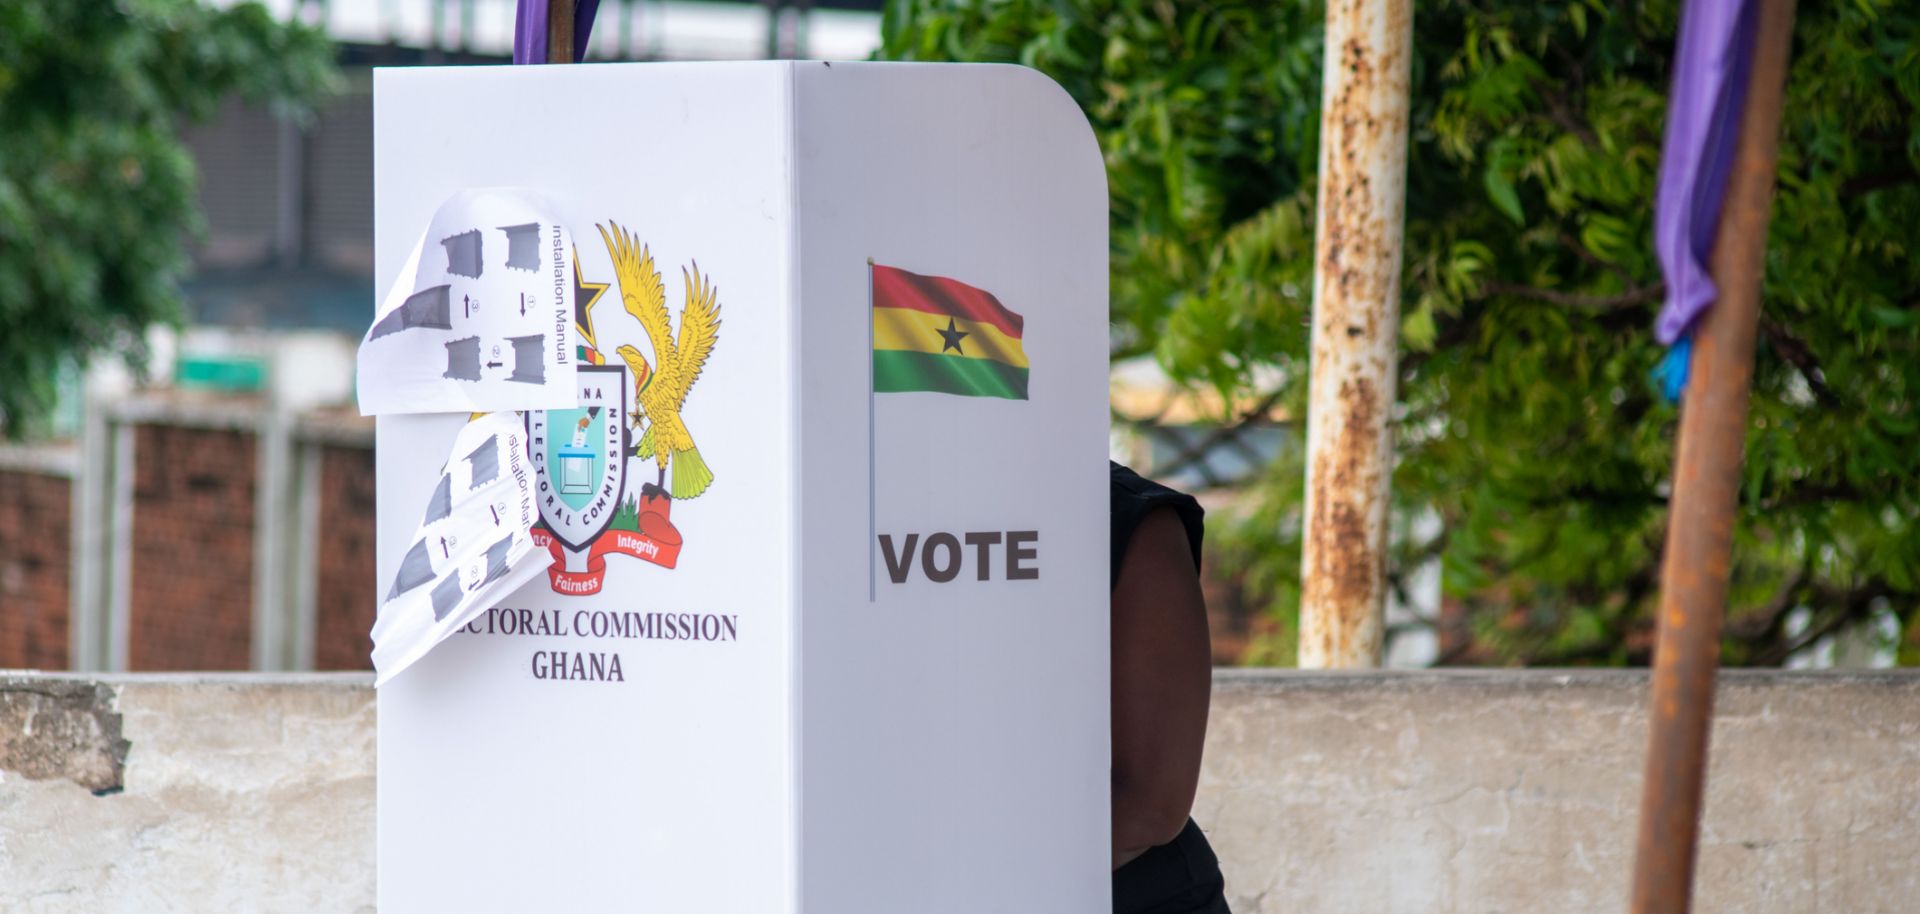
(1706, 494)
(560, 16)
(873, 580)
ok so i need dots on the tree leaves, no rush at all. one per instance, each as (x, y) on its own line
(1526, 421)
(97, 192)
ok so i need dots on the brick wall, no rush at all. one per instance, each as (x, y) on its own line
(344, 603)
(192, 584)
(35, 545)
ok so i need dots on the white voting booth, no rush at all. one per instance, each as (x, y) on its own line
(821, 619)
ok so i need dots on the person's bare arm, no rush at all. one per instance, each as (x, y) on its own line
(1162, 679)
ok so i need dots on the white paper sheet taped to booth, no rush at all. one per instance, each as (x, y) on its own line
(473, 547)
(481, 316)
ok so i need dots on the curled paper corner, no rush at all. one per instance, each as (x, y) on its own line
(481, 317)
(473, 547)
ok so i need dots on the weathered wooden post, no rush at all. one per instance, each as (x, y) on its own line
(1356, 316)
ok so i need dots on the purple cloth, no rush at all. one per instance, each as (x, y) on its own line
(1711, 62)
(530, 30)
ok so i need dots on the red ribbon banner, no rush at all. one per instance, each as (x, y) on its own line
(662, 548)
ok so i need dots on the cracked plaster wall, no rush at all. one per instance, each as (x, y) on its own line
(1499, 792)
(239, 794)
(1436, 793)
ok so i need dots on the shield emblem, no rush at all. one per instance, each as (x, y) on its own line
(580, 458)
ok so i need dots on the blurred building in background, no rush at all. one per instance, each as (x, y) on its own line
(218, 514)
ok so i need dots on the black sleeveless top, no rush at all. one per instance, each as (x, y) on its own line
(1183, 875)
(1134, 497)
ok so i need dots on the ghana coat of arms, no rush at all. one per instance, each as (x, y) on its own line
(627, 427)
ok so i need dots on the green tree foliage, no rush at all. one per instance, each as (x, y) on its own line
(1526, 420)
(97, 195)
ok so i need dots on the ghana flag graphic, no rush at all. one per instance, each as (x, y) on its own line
(931, 333)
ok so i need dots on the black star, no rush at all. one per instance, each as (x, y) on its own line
(585, 294)
(950, 338)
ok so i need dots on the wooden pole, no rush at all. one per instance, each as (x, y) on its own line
(1706, 487)
(560, 15)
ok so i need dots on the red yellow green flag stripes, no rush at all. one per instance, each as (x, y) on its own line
(931, 333)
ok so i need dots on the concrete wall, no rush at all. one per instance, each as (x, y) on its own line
(1518, 791)
(1436, 793)
(237, 794)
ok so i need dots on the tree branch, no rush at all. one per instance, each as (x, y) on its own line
(1580, 300)
(1810, 493)
(1852, 605)
(1794, 352)
(1580, 250)
(1868, 183)
(1766, 623)
(1561, 113)
(1196, 452)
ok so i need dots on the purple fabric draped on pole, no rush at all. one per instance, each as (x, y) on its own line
(1710, 69)
(530, 30)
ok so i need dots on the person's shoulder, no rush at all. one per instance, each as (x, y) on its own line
(1126, 480)
(1134, 497)
(1131, 486)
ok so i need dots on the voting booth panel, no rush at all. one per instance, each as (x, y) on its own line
(822, 623)
(975, 716)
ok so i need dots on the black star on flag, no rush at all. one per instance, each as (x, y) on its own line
(950, 338)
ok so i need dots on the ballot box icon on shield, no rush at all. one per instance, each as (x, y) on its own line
(577, 475)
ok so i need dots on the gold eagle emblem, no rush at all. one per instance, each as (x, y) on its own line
(660, 388)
